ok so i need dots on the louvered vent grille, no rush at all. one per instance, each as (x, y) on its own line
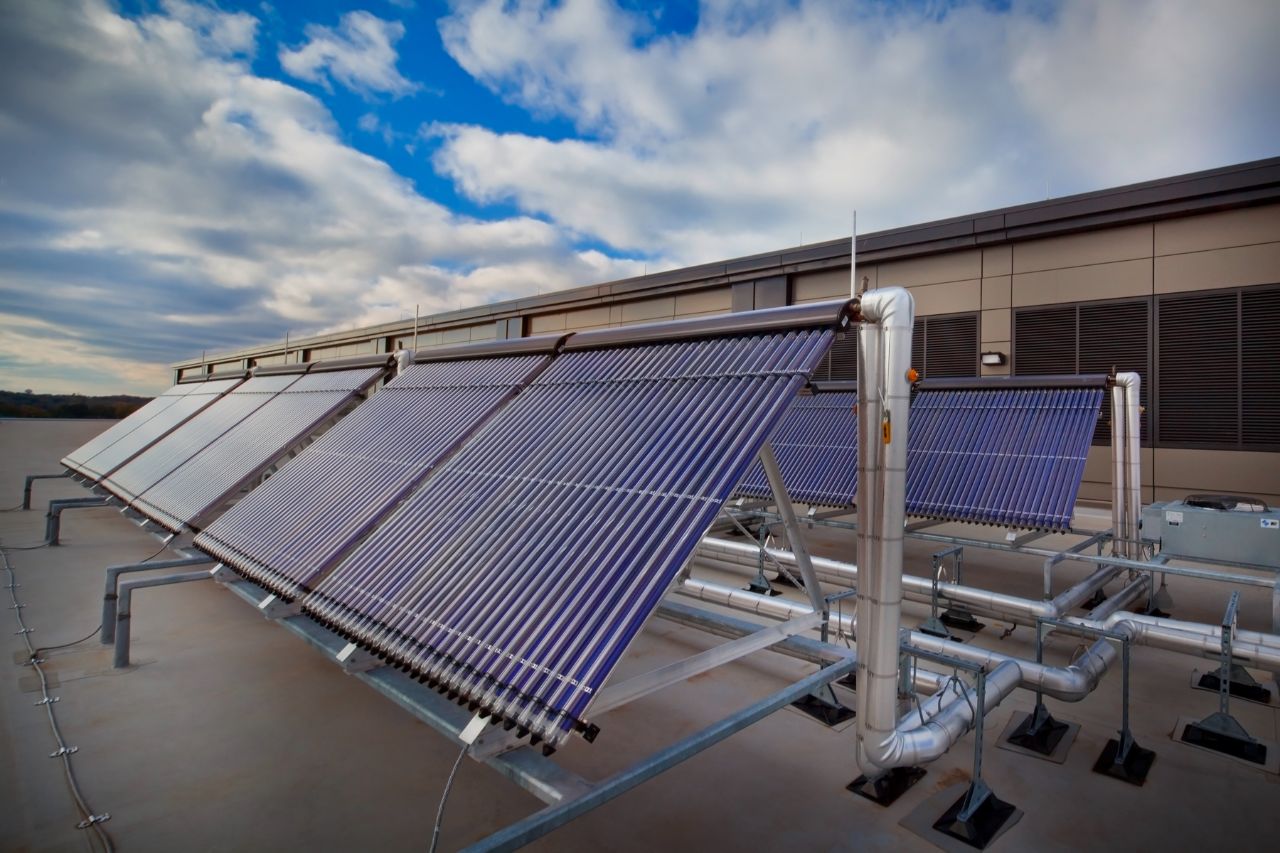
(1115, 334)
(918, 351)
(1199, 351)
(1044, 341)
(841, 361)
(1260, 319)
(952, 346)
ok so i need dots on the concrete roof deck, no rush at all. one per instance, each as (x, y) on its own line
(229, 733)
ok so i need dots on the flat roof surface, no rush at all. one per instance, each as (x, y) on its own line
(229, 733)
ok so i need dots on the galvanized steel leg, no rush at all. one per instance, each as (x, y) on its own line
(791, 525)
(124, 604)
(53, 518)
(26, 485)
(109, 596)
(540, 823)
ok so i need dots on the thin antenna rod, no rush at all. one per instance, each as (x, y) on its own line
(853, 258)
(415, 327)
(286, 347)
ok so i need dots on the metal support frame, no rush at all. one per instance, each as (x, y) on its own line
(110, 595)
(795, 538)
(124, 607)
(541, 823)
(1220, 731)
(933, 625)
(53, 518)
(1078, 548)
(1040, 732)
(1016, 540)
(617, 695)
(1121, 758)
(977, 816)
(30, 478)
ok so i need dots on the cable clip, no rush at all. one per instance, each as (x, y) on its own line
(65, 750)
(48, 700)
(33, 661)
(23, 631)
(92, 819)
(16, 606)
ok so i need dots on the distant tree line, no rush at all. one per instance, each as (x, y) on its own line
(24, 404)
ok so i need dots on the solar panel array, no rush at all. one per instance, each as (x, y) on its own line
(205, 479)
(816, 446)
(978, 453)
(1009, 456)
(517, 574)
(292, 527)
(110, 449)
(166, 455)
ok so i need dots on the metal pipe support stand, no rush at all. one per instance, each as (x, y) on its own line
(977, 817)
(53, 518)
(30, 478)
(1039, 732)
(1220, 731)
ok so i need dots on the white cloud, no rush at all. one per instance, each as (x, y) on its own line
(360, 54)
(151, 178)
(774, 120)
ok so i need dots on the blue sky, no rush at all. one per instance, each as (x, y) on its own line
(179, 176)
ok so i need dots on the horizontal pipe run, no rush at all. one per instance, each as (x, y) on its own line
(1000, 604)
(110, 596)
(947, 718)
(1135, 565)
(124, 605)
(1068, 683)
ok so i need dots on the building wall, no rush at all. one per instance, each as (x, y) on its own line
(1218, 249)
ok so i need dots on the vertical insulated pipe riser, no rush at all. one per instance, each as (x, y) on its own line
(883, 402)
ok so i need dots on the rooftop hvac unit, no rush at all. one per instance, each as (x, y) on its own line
(1216, 528)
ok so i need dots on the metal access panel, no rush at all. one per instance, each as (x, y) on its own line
(1216, 527)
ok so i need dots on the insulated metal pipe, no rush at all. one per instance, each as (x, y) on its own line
(725, 554)
(1069, 683)
(948, 716)
(1126, 437)
(884, 398)
(1119, 496)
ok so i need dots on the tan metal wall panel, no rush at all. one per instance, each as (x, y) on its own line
(716, 301)
(1097, 474)
(542, 323)
(1082, 284)
(997, 261)
(649, 310)
(953, 298)
(1237, 267)
(1221, 230)
(997, 291)
(996, 324)
(1239, 471)
(1093, 247)
(819, 286)
(933, 269)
